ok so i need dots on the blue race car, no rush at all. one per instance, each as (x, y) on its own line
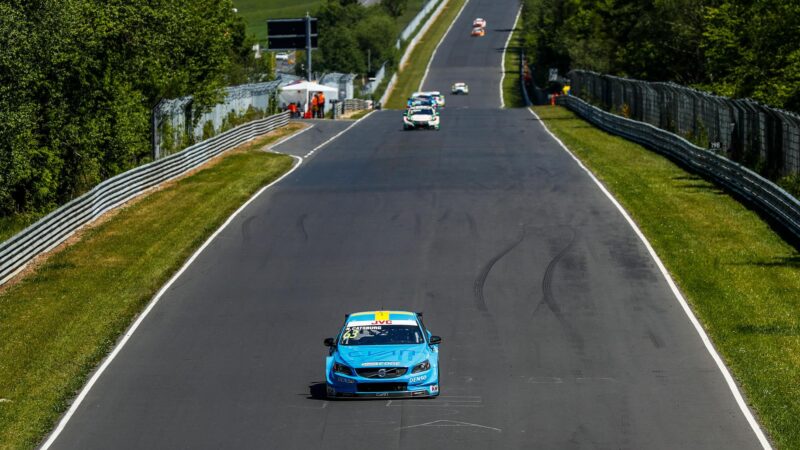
(383, 354)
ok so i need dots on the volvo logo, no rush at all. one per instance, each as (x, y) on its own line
(382, 373)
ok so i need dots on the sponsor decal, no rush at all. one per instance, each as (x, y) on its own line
(382, 322)
(380, 364)
(345, 380)
(417, 379)
(435, 388)
(381, 316)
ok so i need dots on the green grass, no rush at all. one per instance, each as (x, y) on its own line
(741, 279)
(257, 12)
(11, 225)
(409, 77)
(512, 94)
(60, 321)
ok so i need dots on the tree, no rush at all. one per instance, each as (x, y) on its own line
(395, 8)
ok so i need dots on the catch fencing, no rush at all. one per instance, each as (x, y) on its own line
(757, 190)
(350, 105)
(764, 139)
(176, 120)
(59, 225)
(409, 30)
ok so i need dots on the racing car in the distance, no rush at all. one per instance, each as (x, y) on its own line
(421, 117)
(459, 88)
(478, 31)
(479, 23)
(383, 354)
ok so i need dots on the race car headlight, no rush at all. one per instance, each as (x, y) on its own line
(342, 369)
(421, 367)
(406, 119)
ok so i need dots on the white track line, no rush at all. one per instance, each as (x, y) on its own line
(503, 62)
(433, 55)
(692, 318)
(338, 134)
(124, 340)
(291, 136)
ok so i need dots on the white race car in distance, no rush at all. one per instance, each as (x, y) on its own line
(421, 117)
(459, 88)
(479, 23)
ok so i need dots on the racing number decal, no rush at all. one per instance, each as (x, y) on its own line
(381, 316)
(350, 333)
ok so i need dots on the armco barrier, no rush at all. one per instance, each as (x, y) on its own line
(56, 227)
(757, 190)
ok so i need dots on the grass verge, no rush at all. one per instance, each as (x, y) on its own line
(741, 279)
(409, 77)
(60, 321)
(512, 94)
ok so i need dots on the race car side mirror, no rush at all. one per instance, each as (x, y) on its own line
(329, 342)
(435, 340)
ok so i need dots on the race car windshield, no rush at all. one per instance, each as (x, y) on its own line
(424, 111)
(382, 335)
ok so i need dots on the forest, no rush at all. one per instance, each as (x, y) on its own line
(734, 48)
(78, 80)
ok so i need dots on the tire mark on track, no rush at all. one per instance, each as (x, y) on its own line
(246, 225)
(480, 282)
(473, 228)
(301, 226)
(548, 299)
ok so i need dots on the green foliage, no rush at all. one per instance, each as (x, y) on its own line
(740, 48)
(78, 79)
(350, 32)
(395, 8)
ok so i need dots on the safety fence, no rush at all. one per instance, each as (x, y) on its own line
(59, 225)
(755, 189)
(764, 139)
(177, 120)
(412, 26)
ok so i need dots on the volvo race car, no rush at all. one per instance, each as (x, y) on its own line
(459, 88)
(422, 100)
(383, 354)
(479, 23)
(421, 117)
(436, 96)
(478, 31)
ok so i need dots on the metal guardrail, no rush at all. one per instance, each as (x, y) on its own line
(759, 191)
(59, 225)
(763, 138)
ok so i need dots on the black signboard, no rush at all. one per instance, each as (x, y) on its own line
(290, 34)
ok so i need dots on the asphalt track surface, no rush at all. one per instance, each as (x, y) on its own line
(559, 330)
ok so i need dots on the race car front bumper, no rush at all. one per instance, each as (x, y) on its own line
(421, 385)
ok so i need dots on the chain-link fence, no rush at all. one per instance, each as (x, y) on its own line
(764, 139)
(177, 124)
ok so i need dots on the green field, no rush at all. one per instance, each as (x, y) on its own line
(257, 12)
(740, 277)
